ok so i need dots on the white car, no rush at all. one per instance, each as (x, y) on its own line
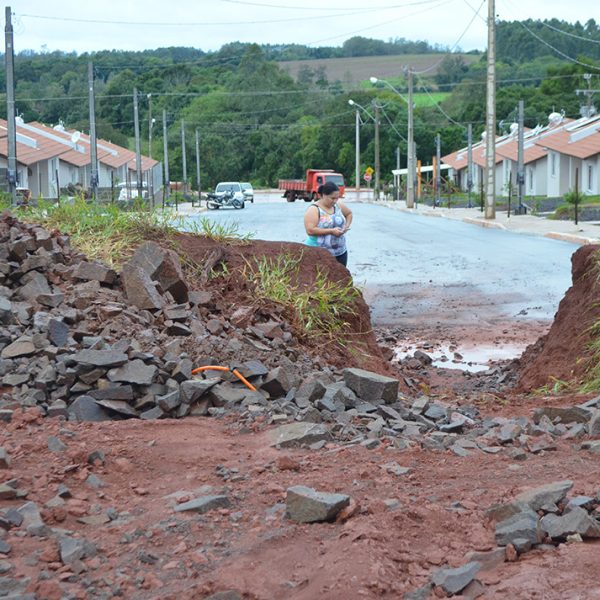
(232, 187)
(248, 191)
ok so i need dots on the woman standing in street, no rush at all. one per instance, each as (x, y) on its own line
(327, 221)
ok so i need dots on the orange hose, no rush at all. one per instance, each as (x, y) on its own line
(219, 368)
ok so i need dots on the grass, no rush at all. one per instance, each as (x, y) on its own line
(220, 232)
(102, 231)
(318, 311)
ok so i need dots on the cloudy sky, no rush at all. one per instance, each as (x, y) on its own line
(80, 25)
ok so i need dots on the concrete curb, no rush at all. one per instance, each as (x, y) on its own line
(572, 238)
(487, 224)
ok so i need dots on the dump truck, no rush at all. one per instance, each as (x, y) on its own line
(307, 189)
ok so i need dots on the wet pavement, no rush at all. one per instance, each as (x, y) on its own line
(415, 268)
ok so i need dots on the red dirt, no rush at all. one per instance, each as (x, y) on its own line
(233, 290)
(562, 353)
(251, 547)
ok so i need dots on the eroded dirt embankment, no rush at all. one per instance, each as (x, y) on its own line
(563, 354)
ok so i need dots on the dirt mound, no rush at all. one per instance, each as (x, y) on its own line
(563, 353)
(232, 290)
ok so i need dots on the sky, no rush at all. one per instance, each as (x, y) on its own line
(81, 26)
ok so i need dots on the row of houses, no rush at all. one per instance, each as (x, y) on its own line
(555, 156)
(49, 158)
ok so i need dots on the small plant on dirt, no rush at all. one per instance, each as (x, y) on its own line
(220, 232)
(591, 381)
(318, 310)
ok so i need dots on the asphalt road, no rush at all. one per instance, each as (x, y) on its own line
(413, 267)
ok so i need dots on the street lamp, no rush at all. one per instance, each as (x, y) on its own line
(375, 119)
(411, 154)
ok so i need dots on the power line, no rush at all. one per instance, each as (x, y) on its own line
(436, 104)
(393, 126)
(384, 7)
(573, 35)
(435, 65)
(559, 52)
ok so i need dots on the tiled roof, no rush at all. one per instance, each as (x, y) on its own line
(580, 139)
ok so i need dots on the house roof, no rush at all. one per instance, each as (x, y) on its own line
(31, 147)
(580, 139)
(37, 142)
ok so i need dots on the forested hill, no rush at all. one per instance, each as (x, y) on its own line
(523, 41)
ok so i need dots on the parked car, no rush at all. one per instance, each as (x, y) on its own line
(231, 187)
(248, 191)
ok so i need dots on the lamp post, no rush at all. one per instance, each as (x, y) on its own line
(410, 158)
(359, 106)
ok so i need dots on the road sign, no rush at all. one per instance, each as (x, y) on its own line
(367, 177)
(369, 171)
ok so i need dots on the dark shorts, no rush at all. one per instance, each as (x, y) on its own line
(342, 258)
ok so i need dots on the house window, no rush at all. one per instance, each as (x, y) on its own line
(530, 179)
(553, 165)
(590, 179)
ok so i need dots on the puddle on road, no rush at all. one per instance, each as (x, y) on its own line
(465, 358)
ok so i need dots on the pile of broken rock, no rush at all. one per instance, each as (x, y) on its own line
(79, 340)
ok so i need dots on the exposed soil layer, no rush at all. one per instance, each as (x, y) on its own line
(563, 354)
(148, 551)
(233, 290)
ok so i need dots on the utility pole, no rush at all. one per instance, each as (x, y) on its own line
(357, 154)
(438, 170)
(138, 151)
(490, 148)
(469, 163)
(150, 125)
(397, 181)
(166, 182)
(198, 164)
(93, 141)
(9, 59)
(410, 163)
(521, 159)
(183, 155)
(377, 162)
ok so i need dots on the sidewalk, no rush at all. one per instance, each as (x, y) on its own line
(587, 232)
(185, 209)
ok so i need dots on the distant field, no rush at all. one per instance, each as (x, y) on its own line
(430, 99)
(356, 69)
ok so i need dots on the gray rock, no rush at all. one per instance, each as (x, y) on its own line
(21, 347)
(436, 412)
(252, 369)
(85, 408)
(577, 520)
(134, 371)
(309, 391)
(570, 414)
(4, 459)
(55, 445)
(114, 391)
(75, 549)
(95, 482)
(122, 407)
(395, 469)
(5, 547)
(7, 492)
(227, 595)
(100, 358)
(140, 289)
(154, 413)
(58, 333)
(371, 386)
(553, 493)
(489, 559)
(522, 525)
(169, 402)
(594, 424)
(192, 390)
(306, 505)
(298, 434)
(203, 504)
(35, 284)
(183, 371)
(32, 519)
(7, 316)
(509, 432)
(420, 405)
(225, 394)
(163, 266)
(93, 271)
(453, 581)
(278, 382)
